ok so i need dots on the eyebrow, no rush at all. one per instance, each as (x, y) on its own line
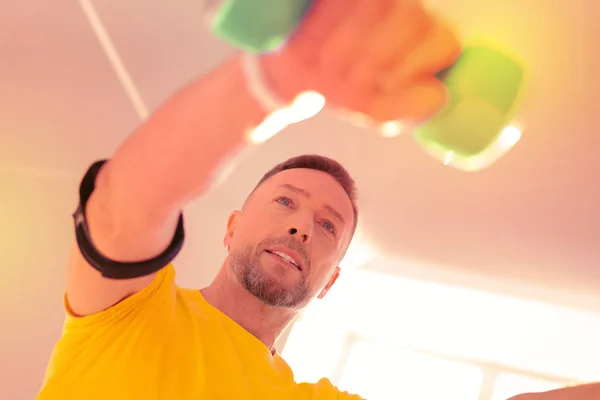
(307, 194)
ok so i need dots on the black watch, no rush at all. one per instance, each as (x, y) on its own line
(109, 268)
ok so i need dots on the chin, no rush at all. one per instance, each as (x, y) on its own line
(275, 290)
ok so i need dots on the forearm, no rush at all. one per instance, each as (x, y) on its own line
(584, 392)
(173, 156)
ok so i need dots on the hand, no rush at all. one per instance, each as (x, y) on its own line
(589, 391)
(375, 57)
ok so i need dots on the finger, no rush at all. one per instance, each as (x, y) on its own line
(392, 40)
(415, 104)
(437, 52)
(347, 96)
(322, 17)
(346, 43)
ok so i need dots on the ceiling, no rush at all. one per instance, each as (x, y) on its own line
(532, 218)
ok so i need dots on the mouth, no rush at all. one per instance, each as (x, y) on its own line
(287, 258)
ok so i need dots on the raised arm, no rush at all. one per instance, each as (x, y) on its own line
(133, 211)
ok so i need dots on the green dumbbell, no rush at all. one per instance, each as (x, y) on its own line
(484, 83)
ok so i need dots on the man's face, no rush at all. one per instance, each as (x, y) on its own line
(284, 247)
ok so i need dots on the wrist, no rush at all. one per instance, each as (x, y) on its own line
(281, 99)
(259, 86)
(287, 79)
(281, 76)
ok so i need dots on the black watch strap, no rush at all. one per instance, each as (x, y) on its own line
(109, 268)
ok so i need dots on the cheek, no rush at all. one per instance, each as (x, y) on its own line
(321, 277)
(256, 226)
(326, 248)
(245, 232)
(324, 260)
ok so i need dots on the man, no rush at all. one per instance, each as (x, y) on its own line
(131, 333)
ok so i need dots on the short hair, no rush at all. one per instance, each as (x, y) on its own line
(319, 163)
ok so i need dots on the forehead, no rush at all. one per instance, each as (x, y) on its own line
(319, 185)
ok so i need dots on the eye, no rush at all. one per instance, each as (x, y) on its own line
(284, 201)
(329, 226)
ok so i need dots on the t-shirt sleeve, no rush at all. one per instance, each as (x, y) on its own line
(323, 390)
(160, 294)
(113, 335)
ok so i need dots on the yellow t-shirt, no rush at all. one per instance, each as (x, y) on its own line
(168, 343)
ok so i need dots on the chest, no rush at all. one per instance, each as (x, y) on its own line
(217, 362)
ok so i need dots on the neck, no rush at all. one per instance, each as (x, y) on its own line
(228, 295)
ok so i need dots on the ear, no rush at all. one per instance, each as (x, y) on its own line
(232, 222)
(334, 276)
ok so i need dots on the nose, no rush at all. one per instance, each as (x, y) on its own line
(301, 235)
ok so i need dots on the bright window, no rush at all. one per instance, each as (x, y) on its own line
(394, 373)
(508, 385)
(385, 336)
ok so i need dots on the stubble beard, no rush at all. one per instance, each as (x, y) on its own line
(267, 287)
